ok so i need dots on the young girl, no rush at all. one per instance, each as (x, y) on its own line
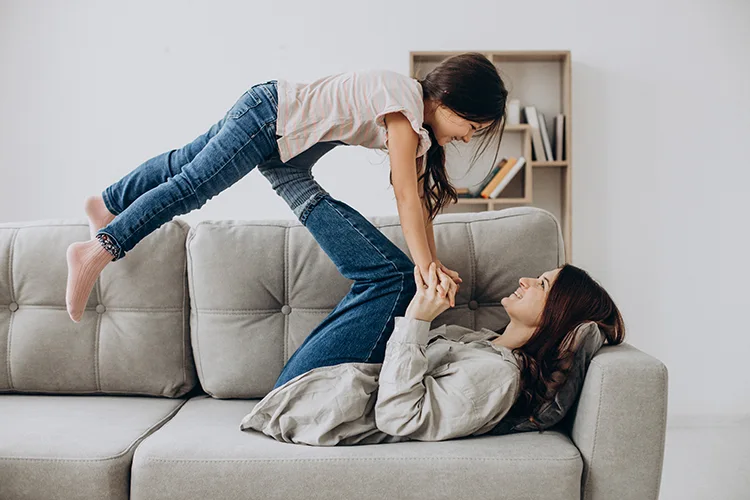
(283, 128)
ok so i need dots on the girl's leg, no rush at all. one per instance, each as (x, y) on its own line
(359, 327)
(149, 174)
(102, 209)
(246, 139)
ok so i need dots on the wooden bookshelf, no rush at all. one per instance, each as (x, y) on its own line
(536, 78)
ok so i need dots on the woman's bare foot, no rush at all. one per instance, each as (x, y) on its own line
(97, 213)
(86, 260)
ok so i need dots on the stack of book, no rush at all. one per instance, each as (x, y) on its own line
(540, 140)
(496, 180)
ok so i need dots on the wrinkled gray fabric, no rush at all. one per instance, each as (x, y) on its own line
(453, 385)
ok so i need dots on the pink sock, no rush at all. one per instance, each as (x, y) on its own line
(86, 260)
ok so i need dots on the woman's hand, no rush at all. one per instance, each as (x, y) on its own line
(433, 297)
(452, 274)
(425, 274)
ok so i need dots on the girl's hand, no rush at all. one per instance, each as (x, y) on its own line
(453, 274)
(433, 297)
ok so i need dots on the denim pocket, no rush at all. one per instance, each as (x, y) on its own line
(248, 100)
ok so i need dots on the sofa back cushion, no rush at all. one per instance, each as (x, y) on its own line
(257, 289)
(133, 337)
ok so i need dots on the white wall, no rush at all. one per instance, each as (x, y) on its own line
(661, 114)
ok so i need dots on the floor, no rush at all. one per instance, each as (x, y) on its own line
(706, 463)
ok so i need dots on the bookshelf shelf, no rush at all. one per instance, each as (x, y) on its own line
(536, 78)
(549, 163)
(517, 128)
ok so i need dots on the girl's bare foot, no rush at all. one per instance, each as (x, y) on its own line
(97, 213)
(86, 260)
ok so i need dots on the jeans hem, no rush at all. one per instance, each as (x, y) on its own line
(108, 203)
(120, 252)
(310, 204)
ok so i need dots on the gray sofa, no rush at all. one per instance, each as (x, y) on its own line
(143, 398)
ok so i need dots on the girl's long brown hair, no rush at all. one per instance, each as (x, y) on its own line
(546, 358)
(469, 85)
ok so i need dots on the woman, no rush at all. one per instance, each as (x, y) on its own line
(367, 373)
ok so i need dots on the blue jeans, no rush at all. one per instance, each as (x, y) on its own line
(181, 180)
(360, 325)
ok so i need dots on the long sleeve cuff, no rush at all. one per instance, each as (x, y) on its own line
(410, 331)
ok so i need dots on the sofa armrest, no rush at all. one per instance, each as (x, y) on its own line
(619, 424)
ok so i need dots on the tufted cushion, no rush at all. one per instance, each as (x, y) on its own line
(133, 336)
(257, 289)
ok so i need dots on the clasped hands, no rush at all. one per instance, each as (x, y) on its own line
(436, 291)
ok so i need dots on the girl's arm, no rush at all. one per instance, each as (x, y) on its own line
(402, 147)
(431, 237)
(430, 233)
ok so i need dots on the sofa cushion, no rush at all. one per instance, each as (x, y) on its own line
(257, 289)
(133, 337)
(74, 446)
(202, 453)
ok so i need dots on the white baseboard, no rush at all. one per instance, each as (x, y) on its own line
(690, 420)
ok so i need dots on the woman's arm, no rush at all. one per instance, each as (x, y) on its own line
(402, 147)
(469, 395)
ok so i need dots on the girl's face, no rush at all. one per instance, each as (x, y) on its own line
(526, 304)
(448, 126)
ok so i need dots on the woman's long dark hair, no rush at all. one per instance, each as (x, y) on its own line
(469, 85)
(546, 358)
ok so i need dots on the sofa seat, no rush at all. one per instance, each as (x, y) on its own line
(202, 453)
(74, 447)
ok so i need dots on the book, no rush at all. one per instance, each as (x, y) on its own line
(559, 137)
(490, 175)
(499, 177)
(536, 137)
(545, 136)
(505, 180)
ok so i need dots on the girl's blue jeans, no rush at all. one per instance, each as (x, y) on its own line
(179, 181)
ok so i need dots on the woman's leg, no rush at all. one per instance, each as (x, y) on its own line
(246, 139)
(359, 327)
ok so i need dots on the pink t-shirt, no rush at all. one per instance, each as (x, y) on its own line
(348, 107)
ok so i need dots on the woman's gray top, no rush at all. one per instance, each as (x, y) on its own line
(433, 385)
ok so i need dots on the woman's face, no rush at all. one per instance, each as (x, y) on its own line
(448, 126)
(525, 305)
